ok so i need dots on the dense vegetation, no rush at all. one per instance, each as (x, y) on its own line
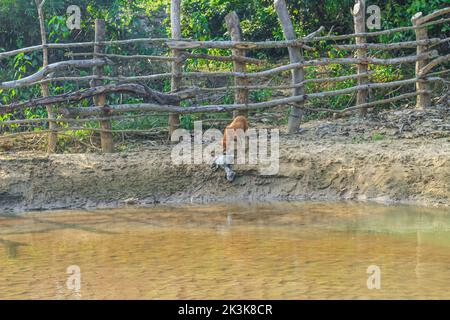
(202, 19)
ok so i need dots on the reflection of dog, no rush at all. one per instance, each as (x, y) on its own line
(239, 123)
(226, 161)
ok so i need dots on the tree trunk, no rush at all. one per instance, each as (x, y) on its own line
(52, 136)
(100, 100)
(234, 29)
(295, 55)
(359, 17)
(424, 99)
(177, 65)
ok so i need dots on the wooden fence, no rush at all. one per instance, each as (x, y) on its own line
(60, 112)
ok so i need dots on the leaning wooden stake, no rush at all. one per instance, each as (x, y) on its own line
(295, 55)
(52, 136)
(424, 99)
(100, 100)
(359, 17)
(234, 29)
(177, 65)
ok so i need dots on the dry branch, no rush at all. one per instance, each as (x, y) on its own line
(244, 45)
(376, 33)
(216, 44)
(41, 74)
(135, 89)
(433, 64)
(389, 46)
(76, 120)
(144, 107)
(315, 33)
(367, 105)
(61, 129)
(225, 58)
(170, 59)
(287, 87)
(266, 73)
(433, 15)
(121, 57)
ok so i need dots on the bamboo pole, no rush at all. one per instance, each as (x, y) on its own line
(424, 99)
(296, 56)
(359, 17)
(177, 65)
(100, 100)
(52, 136)
(234, 29)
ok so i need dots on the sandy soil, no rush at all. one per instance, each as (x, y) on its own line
(390, 157)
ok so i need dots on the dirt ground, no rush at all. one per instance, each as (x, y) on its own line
(389, 157)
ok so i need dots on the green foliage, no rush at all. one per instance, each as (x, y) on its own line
(377, 136)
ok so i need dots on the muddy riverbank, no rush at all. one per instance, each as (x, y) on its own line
(391, 159)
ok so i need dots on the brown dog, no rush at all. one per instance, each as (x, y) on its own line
(240, 122)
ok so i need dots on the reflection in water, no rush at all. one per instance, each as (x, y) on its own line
(266, 251)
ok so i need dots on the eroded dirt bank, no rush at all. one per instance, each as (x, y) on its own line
(325, 161)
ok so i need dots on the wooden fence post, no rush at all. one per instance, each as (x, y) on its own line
(359, 18)
(423, 99)
(100, 100)
(241, 95)
(52, 136)
(296, 56)
(177, 65)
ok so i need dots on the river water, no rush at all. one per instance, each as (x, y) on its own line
(281, 250)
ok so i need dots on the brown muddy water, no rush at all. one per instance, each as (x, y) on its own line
(265, 251)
